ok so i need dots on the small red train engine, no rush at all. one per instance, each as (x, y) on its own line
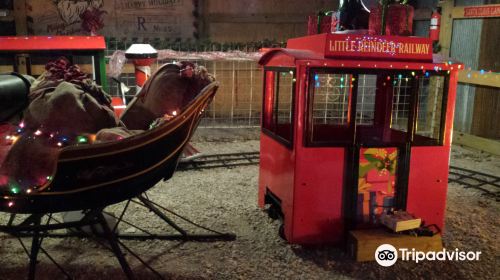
(352, 126)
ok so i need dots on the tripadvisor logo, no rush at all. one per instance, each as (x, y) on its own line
(387, 255)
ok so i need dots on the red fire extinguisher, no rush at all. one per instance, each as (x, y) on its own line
(435, 24)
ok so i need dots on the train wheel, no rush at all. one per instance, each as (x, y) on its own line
(281, 231)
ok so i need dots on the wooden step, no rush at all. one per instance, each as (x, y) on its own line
(363, 243)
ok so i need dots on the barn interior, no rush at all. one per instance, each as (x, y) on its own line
(183, 191)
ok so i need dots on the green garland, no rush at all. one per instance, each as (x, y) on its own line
(189, 45)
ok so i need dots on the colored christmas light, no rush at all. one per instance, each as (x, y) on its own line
(82, 139)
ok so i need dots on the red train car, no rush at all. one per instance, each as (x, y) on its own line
(352, 126)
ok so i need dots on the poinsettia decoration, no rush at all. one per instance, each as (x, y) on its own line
(92, 20)
(380, 160)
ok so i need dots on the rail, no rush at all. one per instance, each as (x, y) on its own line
(488, 184)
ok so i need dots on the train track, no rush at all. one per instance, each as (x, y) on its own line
(488, 184)
(221, 160)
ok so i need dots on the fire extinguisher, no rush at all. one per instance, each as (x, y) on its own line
(435, 24)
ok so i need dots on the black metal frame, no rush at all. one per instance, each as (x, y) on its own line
(353, 147)
(33, 227)
(356, 72)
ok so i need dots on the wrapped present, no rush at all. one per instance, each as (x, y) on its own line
(399, 20)
(365, 210)
(363, 202)
(323, 22)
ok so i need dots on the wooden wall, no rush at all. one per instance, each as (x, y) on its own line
(486, 116)
(217, 20)
(256, 20)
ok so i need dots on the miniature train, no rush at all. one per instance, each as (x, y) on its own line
(352, 127)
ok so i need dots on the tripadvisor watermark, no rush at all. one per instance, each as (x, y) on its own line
(387, 255)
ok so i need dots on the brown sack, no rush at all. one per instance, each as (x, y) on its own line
(68, 110)
(53, 119)
(166, 92)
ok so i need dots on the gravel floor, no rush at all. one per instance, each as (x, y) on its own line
(226, 200)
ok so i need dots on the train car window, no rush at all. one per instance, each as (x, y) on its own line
(279, 104)
(430, 110)
(401, 101)
(387, 105)
(330, 99)
(365, 101)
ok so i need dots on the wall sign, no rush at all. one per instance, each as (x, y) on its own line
(482, 11)
(122, 18)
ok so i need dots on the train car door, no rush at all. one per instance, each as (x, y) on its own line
(378, 158)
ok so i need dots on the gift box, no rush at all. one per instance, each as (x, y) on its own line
(399, 20)
(365, 210)
(322, 23)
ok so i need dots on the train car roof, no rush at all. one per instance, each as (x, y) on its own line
(360, 50)
(51, 43)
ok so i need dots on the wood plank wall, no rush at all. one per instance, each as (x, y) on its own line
(487, 99)
(250, 21)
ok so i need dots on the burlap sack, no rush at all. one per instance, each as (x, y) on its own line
(54, 118)
(68, 110)
(166, 92)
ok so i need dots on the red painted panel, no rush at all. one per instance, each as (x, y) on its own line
(366, 46)
(281, 59)
(276, 172)
(318, 196)
(428, 183)
(315, 43)
(378, 47)
(48, 43)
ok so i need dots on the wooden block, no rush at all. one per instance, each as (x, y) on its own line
(483, 144)
(363, 243)
(400, 221)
